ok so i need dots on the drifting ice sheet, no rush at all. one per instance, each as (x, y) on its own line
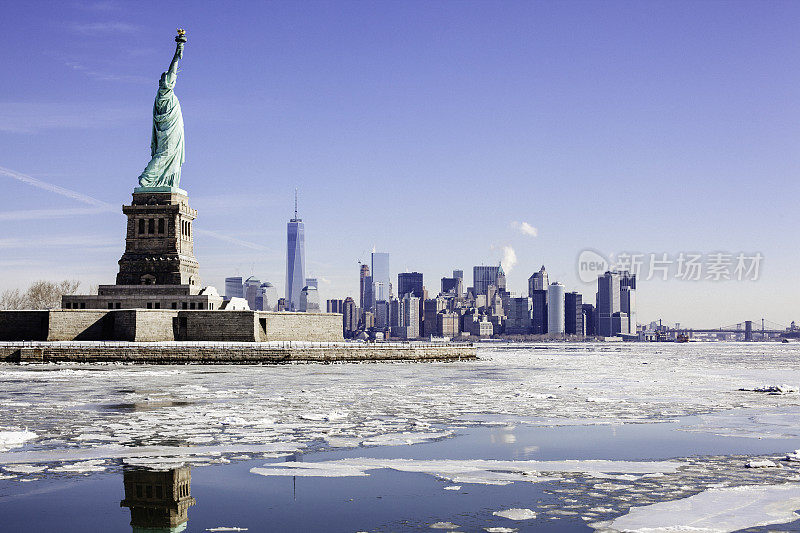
(13, 439)
(516, 514)
(715, 511)
(487, 472)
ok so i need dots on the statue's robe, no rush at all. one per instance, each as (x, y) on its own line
(167, 145)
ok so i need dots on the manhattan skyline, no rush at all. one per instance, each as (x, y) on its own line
(616, 137)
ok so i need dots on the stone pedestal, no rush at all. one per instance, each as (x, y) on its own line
(158, 500)
(159, 245)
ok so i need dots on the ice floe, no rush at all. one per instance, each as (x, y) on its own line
(405, 438)
(157, 454)
(715, 511)
(25, 469)
(479, 471)
(81, 467)
(14, 438)
(316, 469)
(444, 525)
(761, 463)
(770, 422)
(516, 514)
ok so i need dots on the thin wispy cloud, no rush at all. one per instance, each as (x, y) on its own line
(226, 202)
(66, 240)
(102, 6)
(525, 229)
(57, 189)
(234, 240)
(106, 76)
(33, 117)
(42, 214)
(95, 28)
(8, 263)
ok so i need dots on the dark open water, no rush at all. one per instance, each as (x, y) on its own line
(386, 500)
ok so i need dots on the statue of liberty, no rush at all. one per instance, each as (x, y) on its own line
(167, 145)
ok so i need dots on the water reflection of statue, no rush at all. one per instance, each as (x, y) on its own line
(159, 500)
(167, 149)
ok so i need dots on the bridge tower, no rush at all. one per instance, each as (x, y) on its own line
(748, 330)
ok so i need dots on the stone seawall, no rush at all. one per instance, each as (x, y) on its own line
(233, 353)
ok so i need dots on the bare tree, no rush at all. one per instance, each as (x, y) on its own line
(40, 295)
(12, 299)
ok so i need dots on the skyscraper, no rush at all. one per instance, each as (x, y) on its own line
(500, 283)
(269, 296)
(430, 308)
(588, 319)
(395, 315)
(555, 310)
(349, 317)
(627, 299)
(252, 290)
(380, 276)
(382, 315)
(627, 305)
(295, 259)
(520, 315)
(626, 279)
(309, 300)
(410, 326)
(363, 275)
(573, 313)
(538, 281)
(369, 294)
(234, 287)
(539, 304)
(483, 276)
(409, 283)
(608, 295)
(454, 286)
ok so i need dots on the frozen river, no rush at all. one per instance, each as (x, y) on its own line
(529, 438)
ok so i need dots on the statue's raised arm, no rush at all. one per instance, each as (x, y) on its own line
(167, 149)
(180, 39)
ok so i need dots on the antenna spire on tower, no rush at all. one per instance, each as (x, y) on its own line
(295, 203)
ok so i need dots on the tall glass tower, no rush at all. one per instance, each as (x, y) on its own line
(295, 260)
(380, 276)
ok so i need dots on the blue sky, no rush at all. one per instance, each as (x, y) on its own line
(425, 129)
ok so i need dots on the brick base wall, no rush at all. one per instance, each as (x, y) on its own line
(157, 325)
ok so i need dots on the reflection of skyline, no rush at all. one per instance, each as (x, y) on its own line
(159, 501)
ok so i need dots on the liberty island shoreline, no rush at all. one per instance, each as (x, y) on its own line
(193, 352)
